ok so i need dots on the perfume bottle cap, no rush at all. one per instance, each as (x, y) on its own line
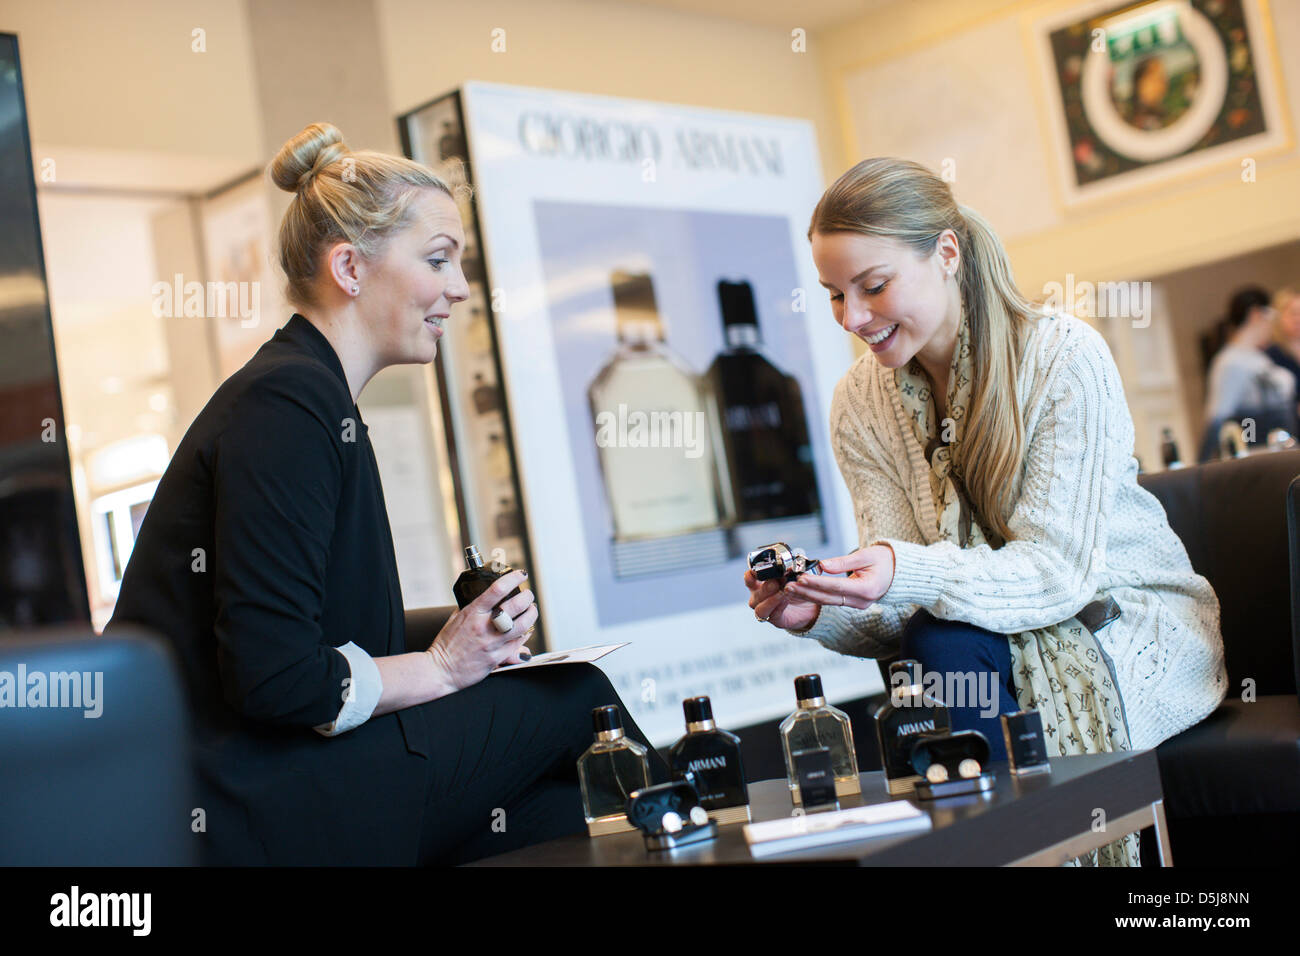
(910, 668)
(737, 302)
(697, 709)
(606, 719)
(472, 558)
(635, 310)
(808, 686)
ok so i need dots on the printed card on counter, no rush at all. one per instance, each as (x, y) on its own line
(837, 826)
(572, 655)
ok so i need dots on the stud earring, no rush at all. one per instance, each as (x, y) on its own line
(355, 288)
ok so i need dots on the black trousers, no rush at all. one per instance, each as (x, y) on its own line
(503, 772)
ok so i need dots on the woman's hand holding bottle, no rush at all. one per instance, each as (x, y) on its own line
(868, 573)
(469, 646)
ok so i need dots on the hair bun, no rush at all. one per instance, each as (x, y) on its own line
(306, 154)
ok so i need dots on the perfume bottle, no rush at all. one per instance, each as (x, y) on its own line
(610, 770)
(761, 419)
(647, 408)
(485, 396)
(907, 714)
(476, 579)
(451, 144)
(713, 756)
(507, 520)
(1169, 449)
(814, 724)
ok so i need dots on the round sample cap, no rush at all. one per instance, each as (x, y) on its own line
(607, 718)
(671, 822)
(808, 686)
(936, 773)
(697, 709)
(970, 767)
(699, 816)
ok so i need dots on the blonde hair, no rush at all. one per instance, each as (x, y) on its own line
(901, 200)
(339, 196)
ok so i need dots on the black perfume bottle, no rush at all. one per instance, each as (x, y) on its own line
(1169, 449)
(761, 417)
(713, 756)
(476, 578)
(909, 712)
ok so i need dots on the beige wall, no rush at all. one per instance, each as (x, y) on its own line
(116, 78)
(955, 78)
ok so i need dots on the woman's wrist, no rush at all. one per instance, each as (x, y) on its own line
(441, 683)
(893, 566)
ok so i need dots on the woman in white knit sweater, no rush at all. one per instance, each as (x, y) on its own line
(988, 450)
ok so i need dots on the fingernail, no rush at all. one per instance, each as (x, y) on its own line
(525, 574)
(525, 655)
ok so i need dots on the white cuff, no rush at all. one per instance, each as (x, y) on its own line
(364, 689)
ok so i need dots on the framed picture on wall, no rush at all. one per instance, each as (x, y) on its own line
(1142, 92)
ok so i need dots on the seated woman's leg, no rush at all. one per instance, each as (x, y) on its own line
(968, 657)
(503, 770)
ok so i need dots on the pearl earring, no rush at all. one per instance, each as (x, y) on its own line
(355, 288)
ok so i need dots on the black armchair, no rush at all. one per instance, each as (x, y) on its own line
(1232, 782)
(109, 790)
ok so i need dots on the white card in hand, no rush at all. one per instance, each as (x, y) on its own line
(573, 655)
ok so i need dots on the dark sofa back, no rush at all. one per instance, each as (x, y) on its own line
(1232, 518)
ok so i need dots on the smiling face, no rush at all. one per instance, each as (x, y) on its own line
(407, 293)
(900, 304)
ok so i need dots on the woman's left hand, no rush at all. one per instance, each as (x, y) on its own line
(870, 573)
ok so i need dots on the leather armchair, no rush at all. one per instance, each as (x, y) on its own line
(108, 790)
(1232, 782)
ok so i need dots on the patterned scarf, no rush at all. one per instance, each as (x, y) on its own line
(1057, 670)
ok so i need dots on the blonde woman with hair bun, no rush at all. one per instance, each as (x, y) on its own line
(988, 450)
(266, 560)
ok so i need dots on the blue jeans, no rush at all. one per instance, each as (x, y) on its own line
(959, 649)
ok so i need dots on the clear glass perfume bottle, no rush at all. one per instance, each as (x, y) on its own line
(713, 757)
(609, 771)
(647, 407)
(814, 724)
(761, 419)
(908, 713)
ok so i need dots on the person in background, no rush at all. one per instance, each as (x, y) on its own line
(1244, 383)
(1285, 348)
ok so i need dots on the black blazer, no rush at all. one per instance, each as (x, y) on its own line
(266, 545)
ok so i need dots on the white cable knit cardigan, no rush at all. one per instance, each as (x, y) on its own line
(1082, 528)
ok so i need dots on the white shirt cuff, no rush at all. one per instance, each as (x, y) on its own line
(364, 689)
